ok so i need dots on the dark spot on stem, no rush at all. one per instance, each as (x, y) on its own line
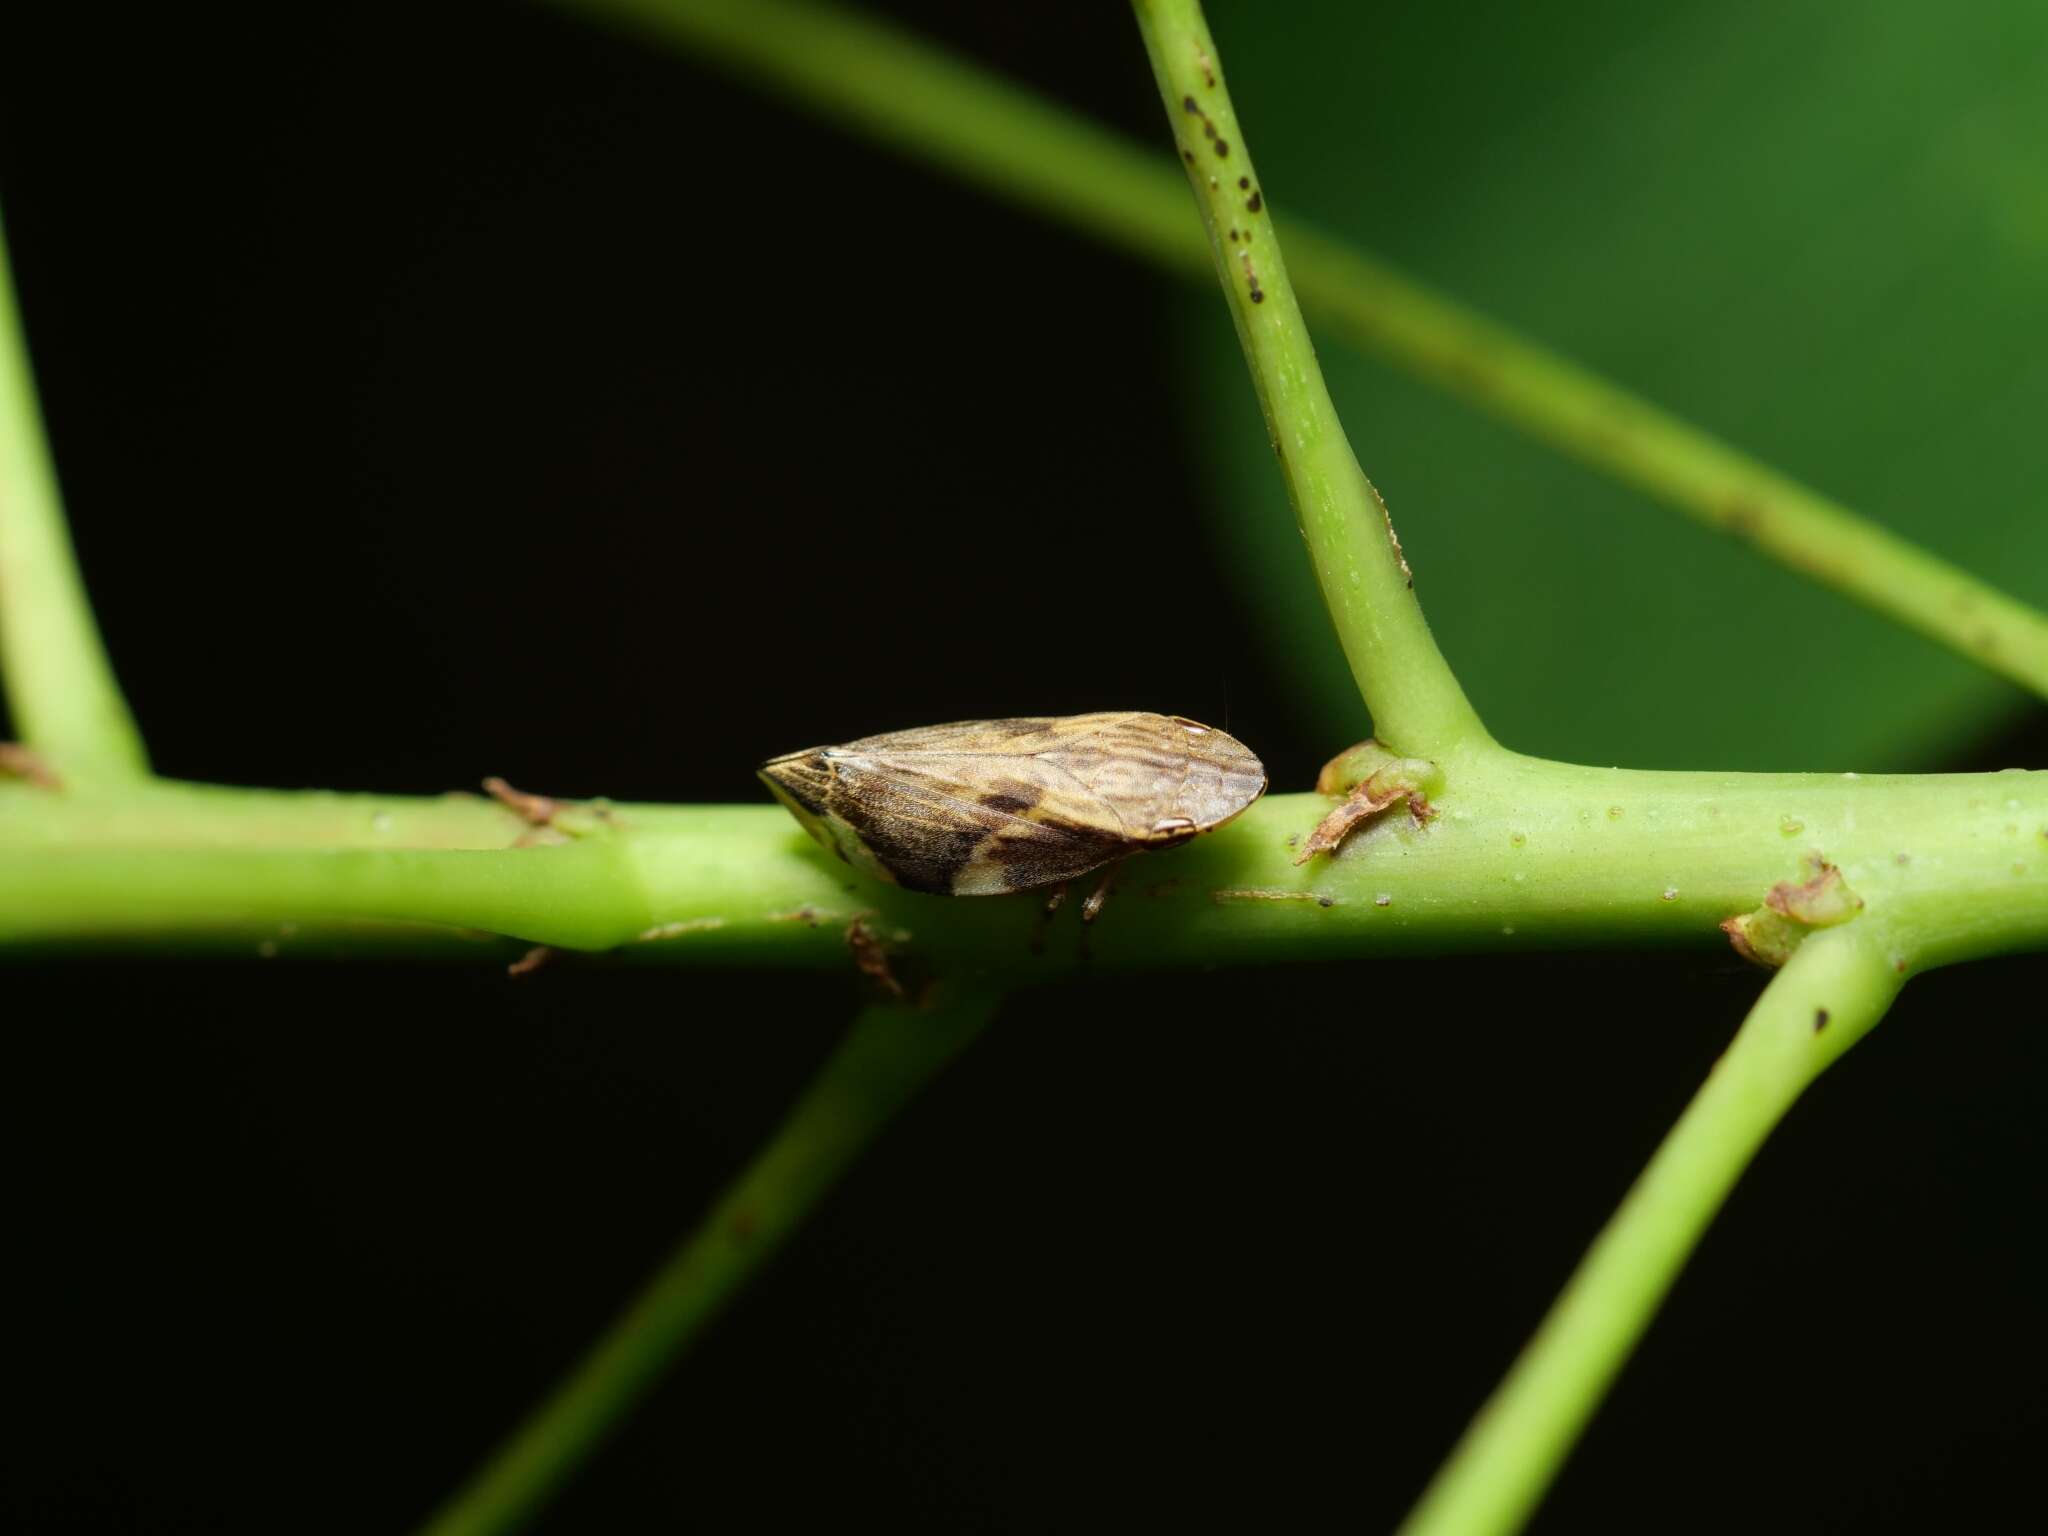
(1258, 297)
(1243, 182)
(1743, 517)
(1187, 104)
(1326, 901)
(1223, 146)
(1233, 234)
(1254, 203)
(1820, 1020)
(1188, 155)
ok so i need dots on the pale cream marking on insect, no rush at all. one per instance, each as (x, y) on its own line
(1122, 721)
(1187, 770)
(979, 809)
(1087, 790)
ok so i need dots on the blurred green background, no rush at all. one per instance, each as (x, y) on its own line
(1816, 231)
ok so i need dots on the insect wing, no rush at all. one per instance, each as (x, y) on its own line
(972, 809)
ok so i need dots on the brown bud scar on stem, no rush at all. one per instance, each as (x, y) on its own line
(1377, 780)
(1366, 799)
(1791, 908)
(1819, 901)
(870, 957)
(20, 762)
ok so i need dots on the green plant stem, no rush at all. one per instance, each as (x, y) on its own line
(904, 92)
(54, 671)
(1834, 989)
(1416, 702)
(888, 1055)
(1523, 852)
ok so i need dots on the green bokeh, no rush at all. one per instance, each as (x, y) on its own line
(1820, 232)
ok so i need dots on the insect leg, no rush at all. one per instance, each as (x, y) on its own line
(1092, 907)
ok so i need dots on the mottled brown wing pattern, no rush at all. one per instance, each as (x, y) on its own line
(1167, 778)
(935, 831)
(985, 806)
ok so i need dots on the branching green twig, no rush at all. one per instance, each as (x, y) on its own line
(940, 109)
(58, 681)
(1834, 989)
(888, 1055)
(1417, 705)
(1521, 851)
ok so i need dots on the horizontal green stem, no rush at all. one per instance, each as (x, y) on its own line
(1830, 994)
(889, 1054)
(906, 93)
(58, 683)
(1522, 852)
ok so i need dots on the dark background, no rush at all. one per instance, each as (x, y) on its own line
(442, 391)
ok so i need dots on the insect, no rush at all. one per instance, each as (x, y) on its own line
(982, 807)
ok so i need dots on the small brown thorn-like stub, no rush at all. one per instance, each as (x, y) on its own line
(539, 810)
(531, 961)
(20, 762)
(871, 957)
(1371, 779)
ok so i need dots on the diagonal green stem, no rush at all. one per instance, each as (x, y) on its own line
(58, 682)
(1416, 703)
(888, 1055)
(933, 107)
(1829, 995)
